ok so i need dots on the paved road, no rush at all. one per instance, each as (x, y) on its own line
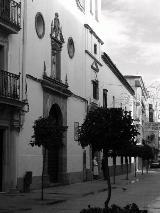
(143, 190)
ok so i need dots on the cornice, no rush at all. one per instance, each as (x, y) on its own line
(94, 58)
(139, 78)
(55, 86)
(93, 32)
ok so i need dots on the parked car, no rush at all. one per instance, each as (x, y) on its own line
(155, 164)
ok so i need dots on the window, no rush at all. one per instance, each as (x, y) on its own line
(113, 102)
(151, 112)
(2, 57)
(105, 97)
(39, 25)
(95, 90)
(71, 48)
(95, 48)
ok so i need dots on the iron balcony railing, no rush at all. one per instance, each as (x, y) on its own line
(10, 12)
(9, 85)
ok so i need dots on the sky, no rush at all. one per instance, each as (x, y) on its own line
(132, 36)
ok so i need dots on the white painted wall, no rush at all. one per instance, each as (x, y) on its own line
(36, 52)
(39, 50)
(76, 112)
(30, 158)
(115, 88)
(78, 71)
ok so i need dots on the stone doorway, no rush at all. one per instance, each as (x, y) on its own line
(54, 158)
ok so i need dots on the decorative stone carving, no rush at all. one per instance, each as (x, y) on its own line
(95, 67)
(56, 29)
(56, 46)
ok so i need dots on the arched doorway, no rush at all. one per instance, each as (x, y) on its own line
(54, 155)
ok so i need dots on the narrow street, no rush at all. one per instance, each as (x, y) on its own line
(143, 190)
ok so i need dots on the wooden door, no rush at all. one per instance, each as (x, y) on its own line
(53, 164)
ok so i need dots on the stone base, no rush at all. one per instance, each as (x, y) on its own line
(72, 177)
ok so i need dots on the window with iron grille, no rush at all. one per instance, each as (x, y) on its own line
(95, 90)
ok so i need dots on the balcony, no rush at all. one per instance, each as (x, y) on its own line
(10, 89)
(10, 16)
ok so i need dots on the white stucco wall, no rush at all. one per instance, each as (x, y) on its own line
(30, 158)
(39, 50)
(108, 80)
(76, 112)
(78, 71)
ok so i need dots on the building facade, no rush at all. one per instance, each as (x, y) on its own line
(60, 46)
(52, 64)
(13, 103)
(140, 115)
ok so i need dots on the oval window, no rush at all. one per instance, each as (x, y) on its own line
(71, 48)
(39, 25)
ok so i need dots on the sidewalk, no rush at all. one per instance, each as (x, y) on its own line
(59, 195)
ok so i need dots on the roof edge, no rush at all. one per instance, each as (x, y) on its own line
(107, 60)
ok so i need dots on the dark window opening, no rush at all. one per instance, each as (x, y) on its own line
(2, 59)
(113, 101)
(105, 97)
(95, 90)
(95, 48)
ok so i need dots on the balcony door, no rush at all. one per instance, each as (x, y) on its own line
(5, 9)
(2, 57)
(3, 80)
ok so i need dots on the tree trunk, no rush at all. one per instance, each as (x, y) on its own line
(126, 161)
(43, 170)
(142, 166)
(108, 181)
(135, 167)
(114, 169)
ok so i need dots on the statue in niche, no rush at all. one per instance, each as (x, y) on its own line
(56, 30)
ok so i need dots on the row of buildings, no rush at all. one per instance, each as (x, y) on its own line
(52, 63)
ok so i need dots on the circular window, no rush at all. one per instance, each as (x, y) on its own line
(40, 25)
(71, 48)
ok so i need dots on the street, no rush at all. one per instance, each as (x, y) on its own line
(142, 190)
